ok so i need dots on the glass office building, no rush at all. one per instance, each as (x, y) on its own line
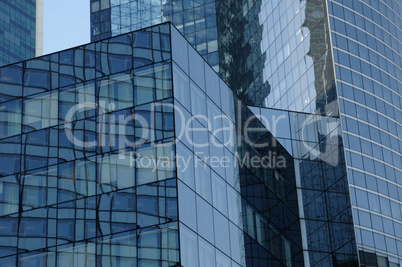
(275, 61)
(21, 32)
(326, 73)
(366, 39)
(314, 58)
(98, 166)
(195, 19)
(314, 54)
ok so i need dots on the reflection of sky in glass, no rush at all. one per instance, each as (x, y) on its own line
(286, 44)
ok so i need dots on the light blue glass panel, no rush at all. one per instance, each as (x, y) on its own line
(219, 193)
(181, 87)
(205, 220)
(116, 92)
(187, 206)
(116, 172)
(203, 181)
(189, 246)
(221, 227)
(206, 253)
(236, 243)
(180, 50)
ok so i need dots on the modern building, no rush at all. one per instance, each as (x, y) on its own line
(366, 40)
(131, 151)
(103, 162)
(21, 30)
(113, 156)
(335, 58)
(196, 20)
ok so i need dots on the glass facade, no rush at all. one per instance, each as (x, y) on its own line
(71, 195)
(195, 19)
(259, 203)
(17, 30)
(106, 159)
(315, 143)
(366, 38)
(319, 82)
(284, 54)
(278, 54)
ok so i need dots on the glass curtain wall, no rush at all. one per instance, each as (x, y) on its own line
(253, 209)
(17, 30)
(75, 191)
(325, 212)
(196, 20)
(366, 38)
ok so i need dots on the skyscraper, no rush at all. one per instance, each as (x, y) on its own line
(195, 19)
(334, 58)
(109, 159)
(366, 39)
(131, 151)
(21, 30)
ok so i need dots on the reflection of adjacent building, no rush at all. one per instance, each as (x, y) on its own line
(195, 20)
(241, 54)
(69, 191)
(64, 201)
(315, 144)
(316, 20)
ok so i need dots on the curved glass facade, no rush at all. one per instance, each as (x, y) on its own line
(277, 54)
(366, 38)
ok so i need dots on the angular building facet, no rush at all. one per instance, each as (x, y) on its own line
(132, 151)
(21, 30)
(334, 58)
(109, 157)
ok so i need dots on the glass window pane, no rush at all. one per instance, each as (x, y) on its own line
(10, 118)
